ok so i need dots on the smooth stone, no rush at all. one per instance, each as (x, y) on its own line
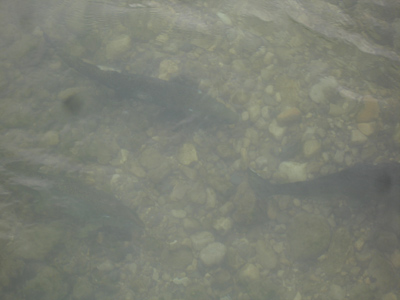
(223, 225)
(269, 90)
(311, 147)
(297, 296)
(168, 68)
(118, 46)
(249, 273)
(254, 112)
(245, 116)
(213, 254)
(370, 110)
(336, 292)
(321, 91)
(201, 239)
(367, 128)
(289, 116)
(181, 281)
(357, 137)
(265, 112)
(224, 18)
(359, 244)
(276, 130)
(178, 213)
(269, 56)
(293, 171)
(187, 154)
(51, 138)
(335, 110)
(105, 266)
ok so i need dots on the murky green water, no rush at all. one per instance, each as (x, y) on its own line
(107, 197)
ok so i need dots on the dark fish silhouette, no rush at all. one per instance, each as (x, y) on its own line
(173, 95)
(361, 181)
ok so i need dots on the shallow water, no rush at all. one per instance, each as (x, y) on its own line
(110, 198)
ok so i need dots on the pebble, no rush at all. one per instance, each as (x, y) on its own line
(336, 292)
(294, 171)
(297, 297)
(168, 68)
(289, 116)
(249, 273)
(201, 239)
(311, 147)
(105, 266)
(187, 154)
(178, 213)
(269, 56)
(213, 254)
(357, 137)
(370, 110)
(51, 138)
(276, 130)
(320, 91)
(367, 128)
(181, 281)
(224, 18)
(118, 46)
(223, 225)
(254, 112)
(335, 110)
(359, 244)
(269, 90)
(265, 112)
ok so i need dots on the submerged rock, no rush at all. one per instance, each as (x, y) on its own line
(308, 237)
(213, 254)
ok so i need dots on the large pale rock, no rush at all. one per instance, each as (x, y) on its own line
(213, 254)
(293, 171)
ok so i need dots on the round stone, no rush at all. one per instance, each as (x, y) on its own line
(311, 147)
(213, 254)
(187, 154)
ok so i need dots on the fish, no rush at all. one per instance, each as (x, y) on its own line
(362, 182)
(174, 95)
